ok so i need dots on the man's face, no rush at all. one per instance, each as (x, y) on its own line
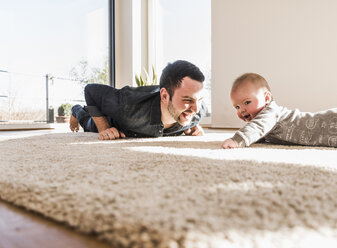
(248, 100)
(186, 100)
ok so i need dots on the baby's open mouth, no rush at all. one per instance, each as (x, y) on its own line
(247, 117)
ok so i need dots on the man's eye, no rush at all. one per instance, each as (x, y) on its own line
(188, 101)
(247, 102)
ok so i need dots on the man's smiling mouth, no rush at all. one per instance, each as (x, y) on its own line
(187, 115)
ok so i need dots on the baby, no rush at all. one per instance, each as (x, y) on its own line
(266, 121)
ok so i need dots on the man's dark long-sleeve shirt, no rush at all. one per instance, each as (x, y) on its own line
(133, 110)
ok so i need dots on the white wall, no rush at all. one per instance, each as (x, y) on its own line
(292, 43)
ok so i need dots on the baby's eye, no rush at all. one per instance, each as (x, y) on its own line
(237, 107)
(247, 102)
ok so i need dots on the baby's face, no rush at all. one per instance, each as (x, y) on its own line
(249, 100)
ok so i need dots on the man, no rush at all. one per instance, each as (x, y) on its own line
(173, 108)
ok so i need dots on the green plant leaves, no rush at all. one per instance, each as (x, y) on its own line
(140, 81)
(64, 109)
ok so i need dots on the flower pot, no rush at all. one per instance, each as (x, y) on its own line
(62, 119)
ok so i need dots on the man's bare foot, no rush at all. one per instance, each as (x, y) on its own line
(73, 124)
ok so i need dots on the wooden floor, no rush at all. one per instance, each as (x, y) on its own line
(20, 228)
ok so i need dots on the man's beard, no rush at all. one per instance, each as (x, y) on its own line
(175, 114)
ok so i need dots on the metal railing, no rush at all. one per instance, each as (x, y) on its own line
(24, 97)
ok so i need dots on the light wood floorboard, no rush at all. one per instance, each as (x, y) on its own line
(20, 228)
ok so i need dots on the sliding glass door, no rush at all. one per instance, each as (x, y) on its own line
(49, 51)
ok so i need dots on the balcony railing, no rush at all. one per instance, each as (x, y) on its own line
(35, 98)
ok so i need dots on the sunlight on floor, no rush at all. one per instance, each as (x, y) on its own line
(55, 128)
(266, 154)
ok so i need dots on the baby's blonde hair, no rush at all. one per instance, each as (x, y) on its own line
(254, 78)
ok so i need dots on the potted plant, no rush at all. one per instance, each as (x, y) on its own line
(64, 112)
(147, 81)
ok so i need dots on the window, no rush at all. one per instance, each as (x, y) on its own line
(181, 29)
(49, 50)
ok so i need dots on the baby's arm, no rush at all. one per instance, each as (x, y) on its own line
(254, 130)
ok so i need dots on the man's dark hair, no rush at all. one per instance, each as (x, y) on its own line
(174, 72)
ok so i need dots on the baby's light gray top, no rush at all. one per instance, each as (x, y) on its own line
(277, 124)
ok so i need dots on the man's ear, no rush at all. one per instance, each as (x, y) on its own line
(164, 95)
(268, 96)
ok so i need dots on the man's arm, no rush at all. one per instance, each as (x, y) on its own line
(195, 131)
(101, 123)
(105, 131)
(96, 96)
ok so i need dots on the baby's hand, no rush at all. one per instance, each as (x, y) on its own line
(230, 143)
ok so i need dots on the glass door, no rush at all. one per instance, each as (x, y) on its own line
(49, 51)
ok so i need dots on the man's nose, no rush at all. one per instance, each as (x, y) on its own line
(195, 107)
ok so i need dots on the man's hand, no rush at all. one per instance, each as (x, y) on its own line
(111, 134)
(195, 131)
(230, 143)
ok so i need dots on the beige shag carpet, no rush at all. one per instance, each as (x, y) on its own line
(176, 191)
